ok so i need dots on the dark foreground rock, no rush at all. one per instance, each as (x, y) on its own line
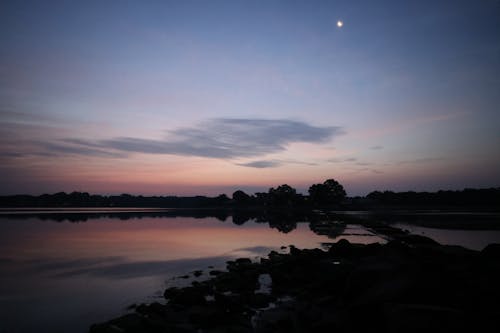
(411, 284)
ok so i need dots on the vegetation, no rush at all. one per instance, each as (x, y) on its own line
(329, 194)
(468, 197)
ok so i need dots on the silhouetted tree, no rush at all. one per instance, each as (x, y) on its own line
(282, 195)
(241, 197)
(261, 198)
(222, 199)
(330, 192)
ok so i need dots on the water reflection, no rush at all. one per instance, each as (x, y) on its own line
(471, 239)
(67, 270)
(283, 221)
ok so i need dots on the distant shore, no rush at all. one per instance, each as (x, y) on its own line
(282, 198)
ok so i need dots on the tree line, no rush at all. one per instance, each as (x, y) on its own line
(329, 194)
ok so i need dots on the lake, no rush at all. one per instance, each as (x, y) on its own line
(61, 271)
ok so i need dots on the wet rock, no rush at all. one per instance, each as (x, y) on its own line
(259, 300)
(410, 284)
(232, 303)
(342, 248)
(187, 296)
(128, 323)
(132, 306)
(418, 240)
(171, 292)
(491, 251)
(207, 317)
(243, 261)
(423, 318)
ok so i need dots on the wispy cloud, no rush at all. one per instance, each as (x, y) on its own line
(342, 160)
(215, 138)
(376, 147)
(10, 116)
(261, 164)
(79, 149)
(410, 123)
(420, 160)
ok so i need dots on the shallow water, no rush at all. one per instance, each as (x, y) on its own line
(64, 276)
(471, 239)
(62, 271)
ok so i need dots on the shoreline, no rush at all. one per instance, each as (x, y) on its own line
(410, 284)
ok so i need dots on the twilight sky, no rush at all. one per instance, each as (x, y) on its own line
(206, 97)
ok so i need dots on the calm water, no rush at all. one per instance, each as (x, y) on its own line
(61, 272)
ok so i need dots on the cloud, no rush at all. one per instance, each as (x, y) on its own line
(273, 163)
(261, 164)
(218, 138)
(10, 116)
(342, 160)
(376, 147)
(88, 150)
(365, 170)
(420, 160)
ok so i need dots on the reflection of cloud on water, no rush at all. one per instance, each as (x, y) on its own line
(63, 264)
(119, 268)
(130, 270)
(254, 251)
(109, 267)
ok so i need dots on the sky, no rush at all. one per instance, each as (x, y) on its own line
(207, 97)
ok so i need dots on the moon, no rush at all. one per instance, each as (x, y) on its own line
(340, 23)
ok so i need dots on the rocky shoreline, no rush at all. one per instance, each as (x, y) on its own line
(410, 284)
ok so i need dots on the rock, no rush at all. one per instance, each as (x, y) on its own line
(132, 306)
(207, 317)
(171, 292)
(411, 284)
(418, 240)
(259, 300)
(243, 261)
(187, 296)
(230, 303)
(128, 323)
(421, 318)
(342, 248)
(491, 251)
(237, 281)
